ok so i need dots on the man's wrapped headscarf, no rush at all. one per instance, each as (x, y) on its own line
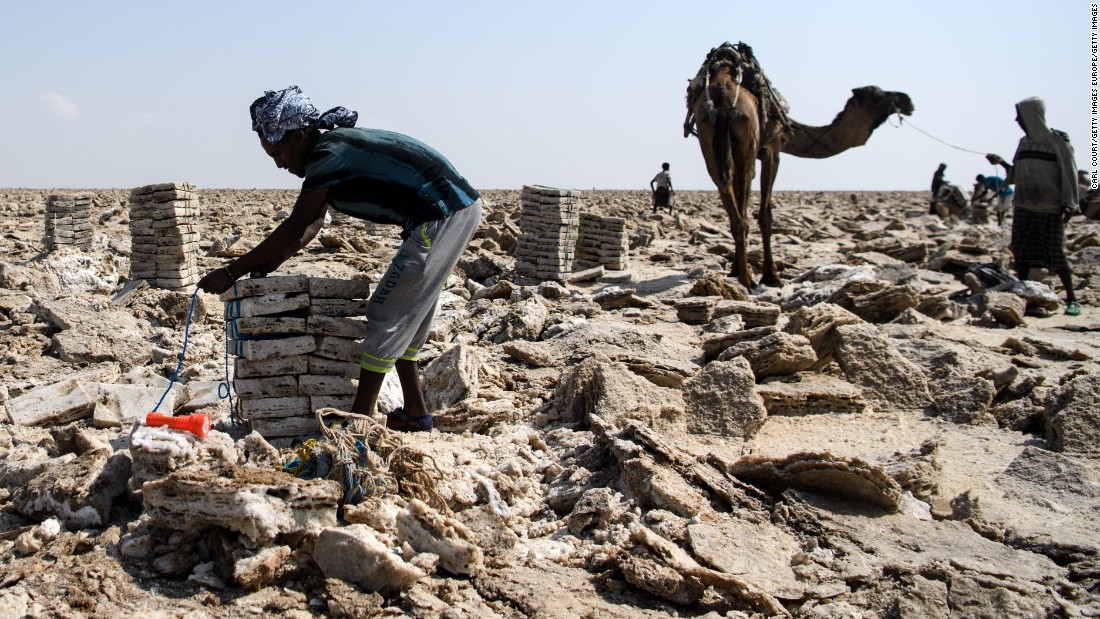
(280, 111)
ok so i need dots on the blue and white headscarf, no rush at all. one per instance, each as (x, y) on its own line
(280, 111)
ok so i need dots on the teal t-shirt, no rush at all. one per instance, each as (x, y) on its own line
(386, 177)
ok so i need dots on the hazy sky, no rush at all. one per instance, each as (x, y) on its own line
(576, 94)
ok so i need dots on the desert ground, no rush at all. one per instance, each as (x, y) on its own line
(890, 433)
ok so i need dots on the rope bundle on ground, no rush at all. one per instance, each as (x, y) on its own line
(367, 460)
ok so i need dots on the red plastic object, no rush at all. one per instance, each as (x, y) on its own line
(197, 424)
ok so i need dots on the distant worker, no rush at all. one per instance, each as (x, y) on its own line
(993, 189)
(950, 201)
(661, 187)
(1044, 171)
(979, 203)
(937, 182)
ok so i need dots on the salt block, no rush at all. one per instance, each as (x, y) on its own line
(338, 348)
(266, 325)
(157, 187)
(338, 307)
(754, 314)
(334, 367)
(340, 327)
(274, 303)
(267, 386)
(618, 276)
(339, 402)
(51, 405)
(198, 395)
(263, 408)
(285, 426)
(322, 384)
(274, 366)
(265, 285)
(282, 347)
(586, 275)
(116, 404)
(335, 288)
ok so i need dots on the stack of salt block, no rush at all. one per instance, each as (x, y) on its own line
(548, 223)
(602, 241)
(297, 343)
(68, 221)
(165, 244)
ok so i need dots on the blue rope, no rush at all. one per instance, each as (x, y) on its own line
(226, 385)
(186, 329)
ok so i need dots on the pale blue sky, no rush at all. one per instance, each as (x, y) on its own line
(577, 94)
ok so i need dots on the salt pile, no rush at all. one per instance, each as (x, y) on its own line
(296, 340)
(602, 242)
(165, 239)
(68, 221)
(549, 221)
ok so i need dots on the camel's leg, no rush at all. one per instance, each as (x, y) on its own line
(769, 167)
(744, 164)
(739, 228)
(738, 223)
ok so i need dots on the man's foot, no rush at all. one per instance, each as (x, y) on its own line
(398, 420)
(1073, 308)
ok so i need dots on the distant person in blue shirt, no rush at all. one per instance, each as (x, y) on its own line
(987, 188)
(382, 177)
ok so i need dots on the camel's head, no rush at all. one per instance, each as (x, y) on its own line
(880, 104)
(724, 56)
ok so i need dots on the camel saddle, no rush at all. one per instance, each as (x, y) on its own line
(748, 74)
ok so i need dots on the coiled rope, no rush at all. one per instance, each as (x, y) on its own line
(367, 460)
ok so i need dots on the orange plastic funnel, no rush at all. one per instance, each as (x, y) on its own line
(197, 424)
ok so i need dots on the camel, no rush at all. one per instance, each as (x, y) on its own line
(739, 118)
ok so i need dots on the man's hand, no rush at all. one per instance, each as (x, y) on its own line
(994, 159)
(217, 281)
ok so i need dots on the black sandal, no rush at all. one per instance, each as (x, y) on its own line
(398, 420)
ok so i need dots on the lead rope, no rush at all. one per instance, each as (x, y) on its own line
(183, 353)
(901, 122)
(1001, 253)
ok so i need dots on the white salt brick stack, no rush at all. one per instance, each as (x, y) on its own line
(165, 239)
(602, 241)
(297, 345)
(68, 221)
(548, 232)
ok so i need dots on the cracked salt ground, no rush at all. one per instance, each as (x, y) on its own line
(883, 436)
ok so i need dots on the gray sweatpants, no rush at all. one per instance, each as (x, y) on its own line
(400, 312)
